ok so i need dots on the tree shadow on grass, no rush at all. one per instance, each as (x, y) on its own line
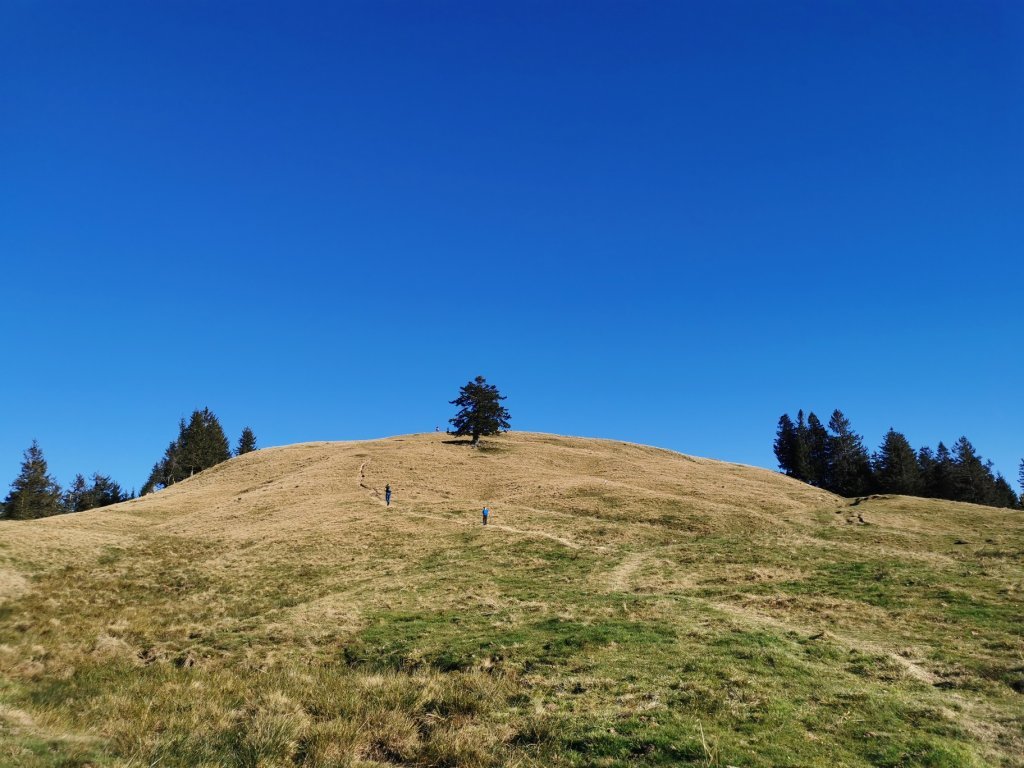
(487, 446)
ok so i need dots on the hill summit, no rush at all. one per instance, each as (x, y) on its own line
(627, 605)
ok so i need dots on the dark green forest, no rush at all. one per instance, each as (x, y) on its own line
(835, 458)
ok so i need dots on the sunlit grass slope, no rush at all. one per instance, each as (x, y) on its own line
(627, 606)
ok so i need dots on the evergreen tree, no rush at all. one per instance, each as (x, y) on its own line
(480, 410)
(102, 493)
(802, 450)
(200, 445)
(1020, 480)
(1003, 494)
(818, 453)
(940, 483)
(246, 443)
(926, 464)
(76, 494)
(785, 445)
(850, 466)
(969, 474)
(896, 466)
(33, 493)
(163, 471)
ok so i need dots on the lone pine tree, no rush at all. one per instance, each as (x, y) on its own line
(246, 443)
(33, 493)
(480, 411)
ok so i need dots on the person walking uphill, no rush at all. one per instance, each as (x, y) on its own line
(486, 514)
(387, 494)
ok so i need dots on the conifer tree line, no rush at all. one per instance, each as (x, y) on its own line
(201, 444)
(34, 493)
(834, 458)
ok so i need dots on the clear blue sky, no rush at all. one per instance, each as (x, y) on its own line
(653, 221)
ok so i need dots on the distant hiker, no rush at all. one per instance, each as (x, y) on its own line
(486, 514)
(387, 494)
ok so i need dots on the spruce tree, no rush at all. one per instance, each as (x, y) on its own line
(818, 453)
(785, 444)
(103, 492)
(246, 443)
(76, 494)
(850, 465)
(1020, 480)
(163, 471)
(896, 467)
(480, 411)
(216, 447)
(201, 444)
(802, 451)
(33, 493)
(941, 481)
(969, 474)
(1004, 495)
(926, 470)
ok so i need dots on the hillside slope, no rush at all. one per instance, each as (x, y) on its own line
(627, 606)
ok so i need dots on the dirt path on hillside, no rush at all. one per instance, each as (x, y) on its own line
(751, 615)
(618, 579)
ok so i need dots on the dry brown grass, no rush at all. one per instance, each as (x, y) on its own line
(275, 607)
(578, 492)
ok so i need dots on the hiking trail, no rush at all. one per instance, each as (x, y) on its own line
(619, 577)
(374, 494)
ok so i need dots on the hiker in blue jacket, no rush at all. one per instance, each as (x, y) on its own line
(486, 514)
(387, 494)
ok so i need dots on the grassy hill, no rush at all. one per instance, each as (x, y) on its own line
(628, 606)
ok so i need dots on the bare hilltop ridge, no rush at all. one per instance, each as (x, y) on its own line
(625, 606)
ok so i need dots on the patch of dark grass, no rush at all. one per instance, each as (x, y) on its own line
(57, 753)
(924, 752)
(449, 641)
(883, 584)
(875, 666)
(110, 555)
(632, 742)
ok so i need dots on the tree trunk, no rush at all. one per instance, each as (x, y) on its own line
(476, 439)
